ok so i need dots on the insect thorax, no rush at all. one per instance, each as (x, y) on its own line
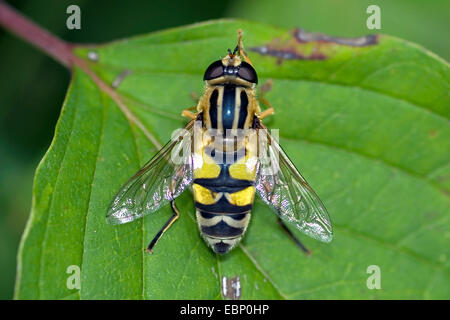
(228, 106)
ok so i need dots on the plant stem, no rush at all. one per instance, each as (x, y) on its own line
(61, 51)
(16, 23)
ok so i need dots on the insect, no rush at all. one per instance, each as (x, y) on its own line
(220, 154)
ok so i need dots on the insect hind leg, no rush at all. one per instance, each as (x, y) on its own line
(166, 226)
(292, 236)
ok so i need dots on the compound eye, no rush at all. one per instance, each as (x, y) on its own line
(247, 72)
(215, 70)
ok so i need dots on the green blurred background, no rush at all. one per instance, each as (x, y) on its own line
(32, 86)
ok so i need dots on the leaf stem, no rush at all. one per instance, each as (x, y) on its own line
(16, 23)
(62, 52)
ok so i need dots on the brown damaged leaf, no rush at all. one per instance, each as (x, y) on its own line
(302, 45)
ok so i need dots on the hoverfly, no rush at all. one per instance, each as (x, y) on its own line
(224, 170)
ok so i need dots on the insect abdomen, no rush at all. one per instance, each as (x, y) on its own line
(222, 231)
(223, 204)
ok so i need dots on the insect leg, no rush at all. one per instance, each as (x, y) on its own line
(188, 114)
(266, 113)
(166, 226)
(292, 236)
(266, 87)
(196, 98)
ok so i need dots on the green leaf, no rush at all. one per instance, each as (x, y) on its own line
(366, 125)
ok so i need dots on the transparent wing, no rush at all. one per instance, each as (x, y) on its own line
(160, 181)
(283, 188)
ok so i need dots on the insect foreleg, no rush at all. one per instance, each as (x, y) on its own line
(166, 226)
(292, 236)
(266, 87)
(196, 98)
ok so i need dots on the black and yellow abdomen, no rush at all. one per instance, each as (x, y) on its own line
(224, 174)
(223, 205)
